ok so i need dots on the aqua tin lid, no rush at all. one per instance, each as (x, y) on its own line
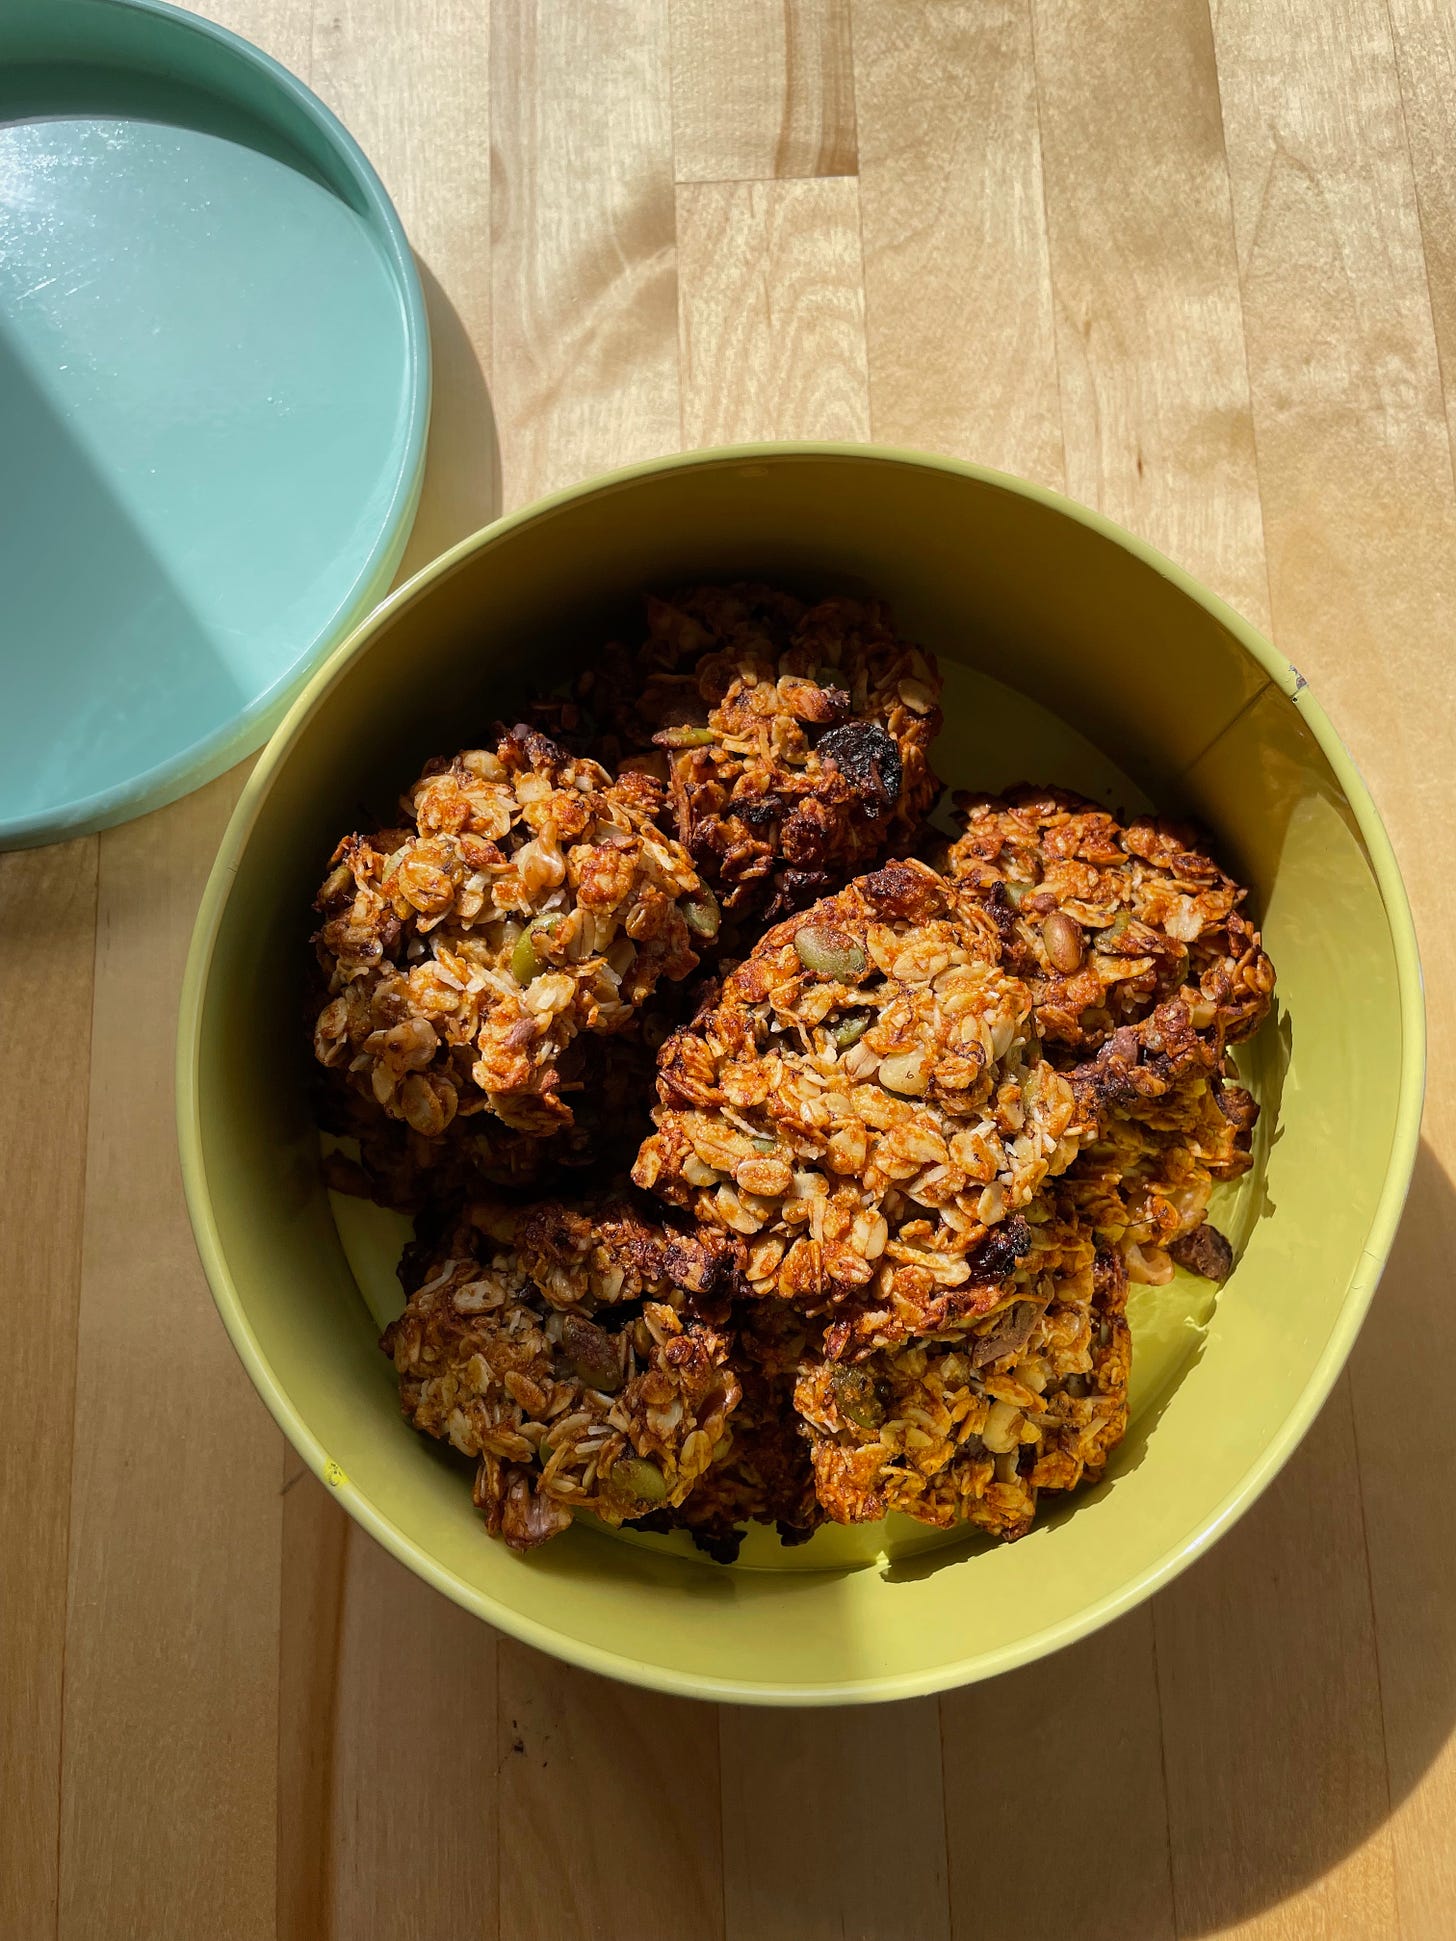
(214, 393)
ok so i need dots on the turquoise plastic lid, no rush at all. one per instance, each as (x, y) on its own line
(214, 391)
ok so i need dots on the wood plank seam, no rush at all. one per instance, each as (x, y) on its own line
(764, 181)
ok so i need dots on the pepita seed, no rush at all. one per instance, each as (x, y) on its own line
(700, 913)
(829, 953)
(641, 1479)
(855, 1397)
(849, 1030)
(525, 964)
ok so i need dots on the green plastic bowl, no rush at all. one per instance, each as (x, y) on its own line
(1073, 654)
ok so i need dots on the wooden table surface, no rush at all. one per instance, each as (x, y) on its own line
(1195, 265)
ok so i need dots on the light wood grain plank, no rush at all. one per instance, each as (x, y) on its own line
(414, 1727)
(1355, 469)
(1354, 454)
(609, 1807)
(172, 1629)
(771, 309)
(958, 308)
(762, 88)
(1154, 389)
(813, 1804)
(387, 1742)
(584, 370)
(47, 950)
(1097, 1701)
(1424, 34)
(428, 133)
(1271, 1716)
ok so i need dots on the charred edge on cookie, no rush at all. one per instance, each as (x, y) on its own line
(866, 755)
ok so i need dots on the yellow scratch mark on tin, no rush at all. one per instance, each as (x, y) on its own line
(333, 1475)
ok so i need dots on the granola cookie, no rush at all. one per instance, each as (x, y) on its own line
(867, 1104)
(977, 1430)
(1108, 921)
(794, 739)
(555, 1346)
(530, 900)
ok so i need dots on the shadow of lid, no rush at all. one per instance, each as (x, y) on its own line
(462, 488)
